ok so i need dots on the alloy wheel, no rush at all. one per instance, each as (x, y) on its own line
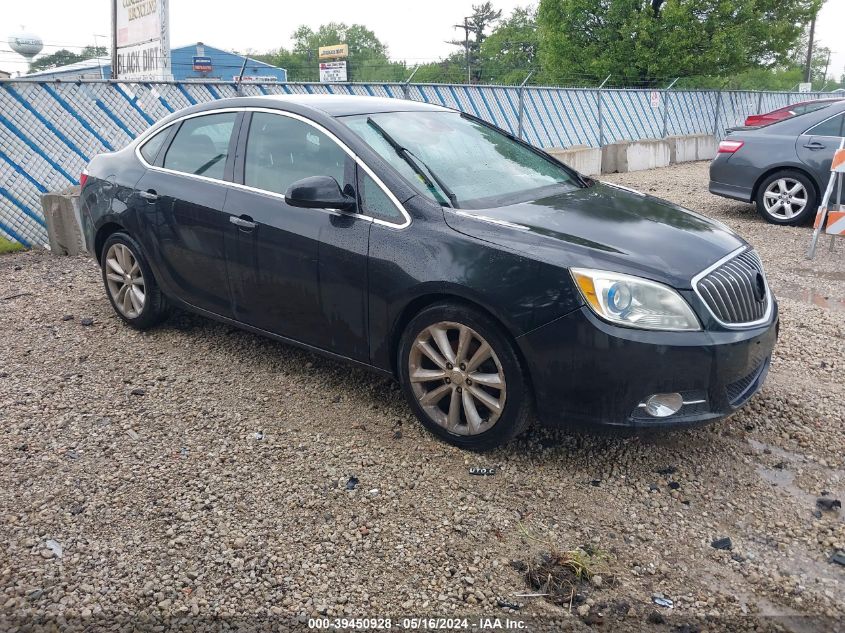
(125, 281)
(457, 378)
(785, 198)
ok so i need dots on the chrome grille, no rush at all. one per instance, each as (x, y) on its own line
(735, 290)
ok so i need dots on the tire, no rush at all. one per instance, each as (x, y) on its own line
(781, 194)
(141, 312)
(494, 415)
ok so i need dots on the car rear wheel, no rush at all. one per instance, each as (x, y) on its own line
(130, 284)
(462, 377)
(786, 197)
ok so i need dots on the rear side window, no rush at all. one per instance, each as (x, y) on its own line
(281, 150)
(201, 145)
(150, 149)
(831, 127)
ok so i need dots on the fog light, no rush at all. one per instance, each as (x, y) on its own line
(662, 405)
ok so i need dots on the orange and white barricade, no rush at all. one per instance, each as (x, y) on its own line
(831, 216)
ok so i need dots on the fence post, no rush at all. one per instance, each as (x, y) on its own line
(716, 119)
(666, 107)
(522, 102)
(760, 102)
(601, 113)
(405, 91)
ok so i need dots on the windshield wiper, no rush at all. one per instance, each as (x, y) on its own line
(415, 162)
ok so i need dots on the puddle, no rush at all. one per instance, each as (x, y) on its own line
(810, 296)
(749, 602)
(784, 478)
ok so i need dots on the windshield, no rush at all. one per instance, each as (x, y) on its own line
(459, 162)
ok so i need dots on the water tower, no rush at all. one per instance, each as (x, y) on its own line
(26, 44)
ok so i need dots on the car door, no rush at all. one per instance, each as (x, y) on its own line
(186, 188)
(299, 273)
(816, 146)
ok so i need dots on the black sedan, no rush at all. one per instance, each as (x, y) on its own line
(490, 279)
(784, 167)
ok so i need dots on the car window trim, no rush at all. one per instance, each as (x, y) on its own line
(357, 159)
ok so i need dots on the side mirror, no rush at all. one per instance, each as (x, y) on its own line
(318, 192)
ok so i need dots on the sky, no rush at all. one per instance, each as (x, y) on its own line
(415, 32)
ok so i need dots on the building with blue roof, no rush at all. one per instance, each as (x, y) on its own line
(213, 64)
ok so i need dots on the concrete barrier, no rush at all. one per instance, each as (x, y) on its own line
(64, 223)
(628, 156)
(708, 145)
(584, 159)
(691, 147)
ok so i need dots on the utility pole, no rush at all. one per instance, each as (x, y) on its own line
(465, 26)
(113, 39)
(808, 74)
(826, 66)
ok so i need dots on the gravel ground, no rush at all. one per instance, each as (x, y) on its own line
(199, 471)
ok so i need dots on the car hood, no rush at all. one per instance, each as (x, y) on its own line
(607, 227)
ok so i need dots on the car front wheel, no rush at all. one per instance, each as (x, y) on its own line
(786, 197)
(462, 377)
(130, 284)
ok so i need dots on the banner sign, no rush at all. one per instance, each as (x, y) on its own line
(143, 39)
(203, 64)
(265, 79)
(332, 72)
(333, 52)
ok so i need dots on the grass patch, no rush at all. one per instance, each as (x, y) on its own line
(9, 247)
(559, 574)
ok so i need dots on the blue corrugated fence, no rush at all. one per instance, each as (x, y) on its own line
(49, 131)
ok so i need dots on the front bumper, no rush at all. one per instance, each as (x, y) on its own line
(587, 371)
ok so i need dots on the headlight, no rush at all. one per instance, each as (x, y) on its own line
(633, 301)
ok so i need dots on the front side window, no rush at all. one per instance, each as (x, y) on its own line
(281, 150)
(201, 146)
(376, 203)
(460, 162)
(831, 127)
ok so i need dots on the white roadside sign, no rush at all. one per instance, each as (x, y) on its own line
(332, 72)
(655, 99)
(143, 39)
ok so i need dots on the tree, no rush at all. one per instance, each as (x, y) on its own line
(449, 70)
(509, 53)
(646, 42)
(368, 57)
(483, 16)
(63, 57)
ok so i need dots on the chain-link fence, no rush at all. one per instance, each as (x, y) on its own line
(50, 131)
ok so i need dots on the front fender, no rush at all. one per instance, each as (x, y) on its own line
(430, 260)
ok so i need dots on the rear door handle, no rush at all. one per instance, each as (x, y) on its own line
(244, 222)
(150, 195)
(814, 145)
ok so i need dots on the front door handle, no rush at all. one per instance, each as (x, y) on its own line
(244, 222)
(814, 145)
(149, 195)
